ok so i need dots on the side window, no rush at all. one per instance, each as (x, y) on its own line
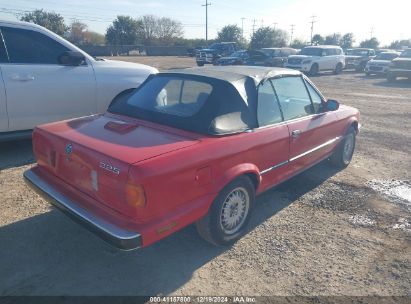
(268, 110)
(26, 46)
(315, 98)
(330, 52)
(293, 97)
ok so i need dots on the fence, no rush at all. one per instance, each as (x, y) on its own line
(134, 50)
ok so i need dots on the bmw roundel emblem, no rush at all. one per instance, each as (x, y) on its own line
(69, 149)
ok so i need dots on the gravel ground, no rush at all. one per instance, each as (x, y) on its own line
(325, 232)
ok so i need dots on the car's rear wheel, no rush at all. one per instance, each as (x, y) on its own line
(342, 156)
(200, 64)
(338, 68)
(229, 214)
(314, 69)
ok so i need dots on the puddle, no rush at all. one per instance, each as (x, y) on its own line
(361, 220)
(397, 191)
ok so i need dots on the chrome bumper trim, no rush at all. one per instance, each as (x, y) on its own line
(114, 235)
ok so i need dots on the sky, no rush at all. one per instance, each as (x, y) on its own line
(386, 20)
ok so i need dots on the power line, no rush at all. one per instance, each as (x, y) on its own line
(206, 7)
(312, 27)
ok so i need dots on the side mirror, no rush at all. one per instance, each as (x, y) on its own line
(332, 105)
(71, 58)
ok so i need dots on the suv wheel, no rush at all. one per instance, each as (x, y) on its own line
(391, 77)
(338, 68)
(314, 69)
(200, 64)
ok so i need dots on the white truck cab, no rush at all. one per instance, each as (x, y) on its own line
(44, 78)
(313, 59)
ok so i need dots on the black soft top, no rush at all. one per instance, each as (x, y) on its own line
(230, 108)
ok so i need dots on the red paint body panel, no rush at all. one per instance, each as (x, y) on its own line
(181, 172)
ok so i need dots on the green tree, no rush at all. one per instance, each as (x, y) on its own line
(230, 33)
(298, 44)
(50, 20)
(334, 39)
(124, 31)
(268, 37)
(372, 43)
(347, 41)
(397, 44)
(318, 39)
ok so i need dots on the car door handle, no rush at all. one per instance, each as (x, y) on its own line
(18, 77)
(296, 133)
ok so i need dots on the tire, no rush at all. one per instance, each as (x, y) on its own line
(215, 226)
(338, 68)
(314, 69)
(367, 74)
(361, 67)
(391, 78)
(121, 96)
(342, 156)
(200, 64)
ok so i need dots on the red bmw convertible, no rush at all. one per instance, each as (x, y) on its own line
(189, 146)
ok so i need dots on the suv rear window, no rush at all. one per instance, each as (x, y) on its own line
(310, 51)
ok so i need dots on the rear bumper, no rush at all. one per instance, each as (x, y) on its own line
(114, 235)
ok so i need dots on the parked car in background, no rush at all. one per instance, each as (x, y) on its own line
(189, 146)
(278, 56)
(313, 59)
(357, 58)
(258, 58)
(236, 58)
(380, 64)
(45, 78)
(400, 67)
(379, 51)
(214, 52)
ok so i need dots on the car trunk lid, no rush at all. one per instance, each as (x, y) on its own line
(94, 154)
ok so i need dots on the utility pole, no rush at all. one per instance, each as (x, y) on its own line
(312, 27)
(242, 27)
(292, 32)
(262, 23)
(206, 6)
(275, 25)
(372, 32)
(254, 25)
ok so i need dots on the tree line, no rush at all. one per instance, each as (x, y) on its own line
(151, 30)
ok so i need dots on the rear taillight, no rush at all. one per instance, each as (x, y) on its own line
(135, 195)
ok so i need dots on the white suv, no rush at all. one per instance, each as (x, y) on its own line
(44, 78)
(313, 59)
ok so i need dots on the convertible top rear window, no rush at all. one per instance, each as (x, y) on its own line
(190, 102)
(171, 95)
